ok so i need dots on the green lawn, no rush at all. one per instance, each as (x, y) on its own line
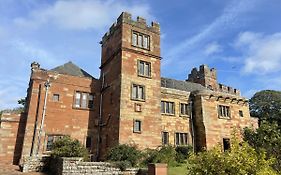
(178, 170)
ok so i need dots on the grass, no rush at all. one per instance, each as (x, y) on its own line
(177, 170)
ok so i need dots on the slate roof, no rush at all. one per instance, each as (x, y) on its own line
(71, 69)
(181, 85)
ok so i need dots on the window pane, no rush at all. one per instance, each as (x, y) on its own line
(177, 138)
(91, 101)
(140, 40)
(141, 68)
(134, 92)
(145, 42)
(171, 108)
(137, 126)
(77, 99)
(165, 138)
(141, 93)
(56, 97)
(162, 107)
(167, 107)
(134, 39)
(50, 143)
(84, 100)
(146, 69)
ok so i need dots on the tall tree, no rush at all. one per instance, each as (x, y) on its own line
(266, 105)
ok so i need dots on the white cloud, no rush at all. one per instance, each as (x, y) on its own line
(212, 48)
(262, 53)
(81, 14)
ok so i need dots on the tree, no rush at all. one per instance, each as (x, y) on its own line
(266, 105)
(242, 159)
(267, 137)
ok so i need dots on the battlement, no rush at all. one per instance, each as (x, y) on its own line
(126, 17)
(203, 72)
(228, 89)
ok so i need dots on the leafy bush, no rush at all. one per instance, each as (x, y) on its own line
(182, 153)
(267, 137)
(67, 147)
(242, 159)
(125, 153)
(123, 165)
(165, 154)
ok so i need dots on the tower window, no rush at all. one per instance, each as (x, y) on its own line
(140, 40)
(137, 126)
(224, 111)
(138, 92)
(241, 113)
(144, 68)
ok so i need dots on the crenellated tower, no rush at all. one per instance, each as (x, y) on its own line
(130, 74)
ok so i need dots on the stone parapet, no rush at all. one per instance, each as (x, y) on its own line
(126, 17)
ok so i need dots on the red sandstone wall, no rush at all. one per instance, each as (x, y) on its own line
(12, 128)
(61, 117)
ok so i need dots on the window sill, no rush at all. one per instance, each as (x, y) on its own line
(184, 116)
(226, 118)
(141, 100)
(167, 114)
(85, 109)
(144, 76)
(137, 132)
(139, 47)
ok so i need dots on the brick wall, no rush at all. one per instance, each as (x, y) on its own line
(211, 127)
(12, 127)
(61, 118)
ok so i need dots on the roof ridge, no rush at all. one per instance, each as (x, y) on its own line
(69, 68)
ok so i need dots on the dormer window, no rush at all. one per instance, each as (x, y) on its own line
(140, 40)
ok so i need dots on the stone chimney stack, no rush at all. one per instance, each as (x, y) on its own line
(35, 66)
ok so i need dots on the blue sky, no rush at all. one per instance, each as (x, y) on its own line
(240, 38)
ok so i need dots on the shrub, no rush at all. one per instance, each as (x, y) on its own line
(67, 147)
(182, 153)
(123, 165)
(165, 154)
(125, 153)
(242, 159)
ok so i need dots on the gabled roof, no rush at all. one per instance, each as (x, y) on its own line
(181, 85)
(71, 69)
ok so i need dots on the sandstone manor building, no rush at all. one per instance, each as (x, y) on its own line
(130, 103)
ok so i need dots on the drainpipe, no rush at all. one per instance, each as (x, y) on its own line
(192, 125)
(47, 86)
(100, 119)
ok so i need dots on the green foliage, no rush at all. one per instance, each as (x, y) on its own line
(67, 147)
(242, 159)
(123, 165)
(266, 105)
(125, 153)
(165, 154)
(182, 153)
(267, 137)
